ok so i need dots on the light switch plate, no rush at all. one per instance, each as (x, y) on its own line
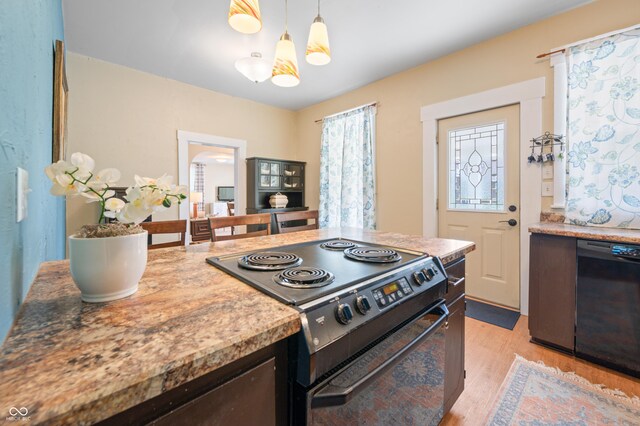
(547, 171)
(22, 190)
(547, 189)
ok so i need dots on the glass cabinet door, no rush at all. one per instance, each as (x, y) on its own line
(269, 175)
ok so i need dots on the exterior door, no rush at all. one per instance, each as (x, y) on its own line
(478, 194)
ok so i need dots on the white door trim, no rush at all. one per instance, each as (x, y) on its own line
(528, 94)
(239, 147)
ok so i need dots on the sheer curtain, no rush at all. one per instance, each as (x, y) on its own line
(197, 181)
(604, 132)
(347, 170)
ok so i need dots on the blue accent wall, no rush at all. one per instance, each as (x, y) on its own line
(28, 30)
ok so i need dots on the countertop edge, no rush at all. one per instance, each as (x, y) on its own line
(179, 372)
(598, 234)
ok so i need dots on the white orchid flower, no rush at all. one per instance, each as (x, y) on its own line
(132, 213)
(64, 184)
(58, 168)
(113, 207)
(84, 165)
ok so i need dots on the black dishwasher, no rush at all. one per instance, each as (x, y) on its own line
(608, 305)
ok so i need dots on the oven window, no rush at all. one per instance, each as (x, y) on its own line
(410, 392)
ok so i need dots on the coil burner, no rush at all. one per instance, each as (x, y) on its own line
(269, 261)
(372, 254)
(304, 277)
(338, 245)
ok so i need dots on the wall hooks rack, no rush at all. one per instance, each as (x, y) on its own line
(539, 151)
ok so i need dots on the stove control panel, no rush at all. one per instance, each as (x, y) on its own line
(325, 321)
(392, 292)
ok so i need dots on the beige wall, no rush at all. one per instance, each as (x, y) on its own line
(128, 119)
(500, 61)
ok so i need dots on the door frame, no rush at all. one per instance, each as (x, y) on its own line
(528, 94)
(239, 147)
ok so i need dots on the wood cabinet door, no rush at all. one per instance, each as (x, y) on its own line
(552, 290)
(246, 400)
(454, 358)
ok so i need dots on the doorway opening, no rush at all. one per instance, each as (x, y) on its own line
(213, 168)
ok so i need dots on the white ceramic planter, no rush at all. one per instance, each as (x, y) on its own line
(107, 269)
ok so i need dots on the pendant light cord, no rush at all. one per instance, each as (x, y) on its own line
(318, 7)
(286, 16)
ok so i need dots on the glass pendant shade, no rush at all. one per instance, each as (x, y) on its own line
(285, 65)
(318, 52)
(255, 68)
(244, 16)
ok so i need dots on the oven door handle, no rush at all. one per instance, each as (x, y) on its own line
(330, 395)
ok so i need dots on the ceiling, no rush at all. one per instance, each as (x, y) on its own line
(191, 41)
(213, 154)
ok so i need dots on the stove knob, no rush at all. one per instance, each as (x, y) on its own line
(419, 277)
(362, 305)
(344, 314)
(429, 273)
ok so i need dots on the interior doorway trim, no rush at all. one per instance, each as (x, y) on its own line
(528, 94)
(239, 147)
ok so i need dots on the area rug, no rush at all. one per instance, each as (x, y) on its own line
(534, 394)
(491, 314)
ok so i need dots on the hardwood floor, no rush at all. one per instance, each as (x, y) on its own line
(490, 350)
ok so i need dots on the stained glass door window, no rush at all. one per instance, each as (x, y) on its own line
(476, 168)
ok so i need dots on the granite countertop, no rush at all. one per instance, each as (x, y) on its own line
(72, 362)
(587, 232)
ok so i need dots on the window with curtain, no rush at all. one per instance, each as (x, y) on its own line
(197, 181)
(347, 170)
(603, 132)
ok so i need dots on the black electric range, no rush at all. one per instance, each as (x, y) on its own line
(365, 309)
(299, 273)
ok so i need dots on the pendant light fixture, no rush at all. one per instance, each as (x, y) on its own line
(244, 16)
(285, 65)
(255, 68)
(318, 52)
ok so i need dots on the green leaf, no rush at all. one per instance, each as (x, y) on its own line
(166, 202)
(182, 196)
(611, 155)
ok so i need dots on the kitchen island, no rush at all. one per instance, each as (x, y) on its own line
(72, 362)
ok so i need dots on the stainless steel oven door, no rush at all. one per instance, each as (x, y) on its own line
(398, 381)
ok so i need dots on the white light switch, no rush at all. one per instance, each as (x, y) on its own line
(547, 171)
(547, 189)
(22, 190)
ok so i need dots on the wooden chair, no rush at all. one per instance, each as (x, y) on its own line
(227, 221)
(231, 211)
(282, 220)
(166, 227)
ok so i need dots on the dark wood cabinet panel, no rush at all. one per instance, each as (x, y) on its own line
(250, 391)
(247, 400)
(552, 290)
(454, 359)
(456, 280)
(454, 341)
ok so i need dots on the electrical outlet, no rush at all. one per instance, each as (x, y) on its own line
(22, 190)
(547, 189)
(547, 171)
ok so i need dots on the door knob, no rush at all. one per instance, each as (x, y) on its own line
(511, 222)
